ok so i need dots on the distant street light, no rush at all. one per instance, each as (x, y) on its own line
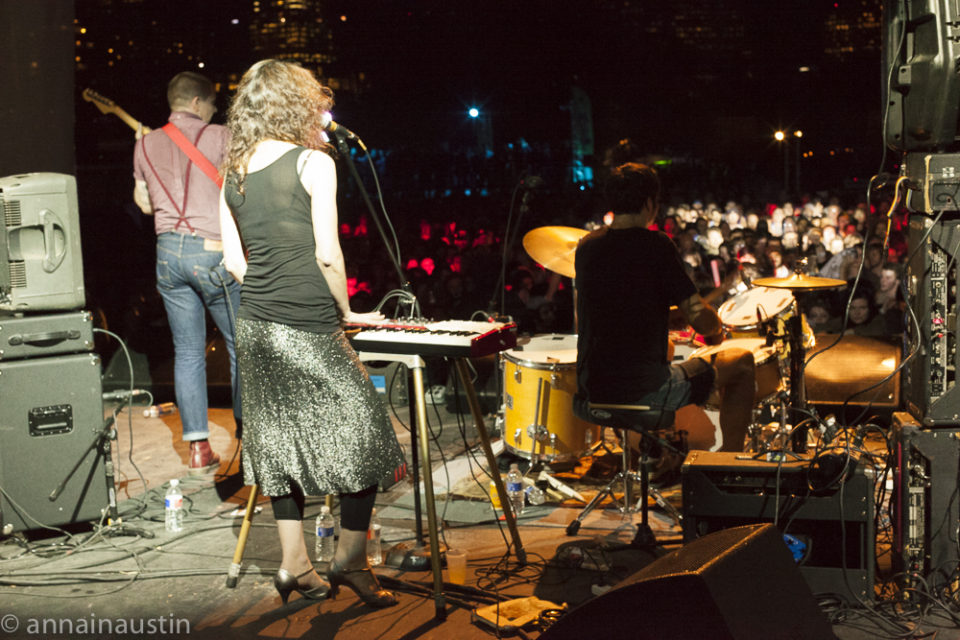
(473, 112)
(780, 137)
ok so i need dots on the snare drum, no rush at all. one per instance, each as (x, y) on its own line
(766, 362)
(539, 382)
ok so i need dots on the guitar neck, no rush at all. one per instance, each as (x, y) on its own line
(109, 106)
(132, 122)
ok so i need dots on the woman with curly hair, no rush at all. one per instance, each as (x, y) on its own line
(313, 421)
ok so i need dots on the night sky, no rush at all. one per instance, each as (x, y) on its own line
(426, 62)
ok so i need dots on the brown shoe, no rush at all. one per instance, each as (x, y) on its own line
(202, 458)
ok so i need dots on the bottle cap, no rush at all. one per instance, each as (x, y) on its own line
(324, 509)
(174, 482)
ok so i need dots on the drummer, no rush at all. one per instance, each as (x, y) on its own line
(627, 278)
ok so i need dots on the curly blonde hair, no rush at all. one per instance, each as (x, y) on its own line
(275, 100)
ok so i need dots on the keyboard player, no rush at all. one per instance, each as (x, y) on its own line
(627, 278)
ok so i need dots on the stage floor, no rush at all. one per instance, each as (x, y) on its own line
(174, 584)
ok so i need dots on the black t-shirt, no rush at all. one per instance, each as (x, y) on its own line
(627, 280)
(283, 282)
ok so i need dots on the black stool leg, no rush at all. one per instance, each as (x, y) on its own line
(644, 538)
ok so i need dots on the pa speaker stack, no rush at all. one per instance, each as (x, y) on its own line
(50, 380)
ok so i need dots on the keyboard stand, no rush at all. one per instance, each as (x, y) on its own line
(416, 366)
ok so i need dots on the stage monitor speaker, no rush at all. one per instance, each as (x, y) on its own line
(721, 489)
(856, 367)
(41, 268)
(930, 388)
(926, 506)
(50, 414)
(735, 584)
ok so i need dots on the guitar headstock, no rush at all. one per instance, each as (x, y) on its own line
(105, 105)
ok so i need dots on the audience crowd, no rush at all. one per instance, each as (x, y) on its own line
(464, 263)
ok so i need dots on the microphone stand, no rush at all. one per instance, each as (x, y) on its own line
(341, 141)
(101, 442)
(418, 556)
(509, 235)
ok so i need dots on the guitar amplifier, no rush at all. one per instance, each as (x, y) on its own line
(833, 522)
(47, 334)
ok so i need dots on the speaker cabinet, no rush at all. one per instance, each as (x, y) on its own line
(50, 414)
(41, 268)
(930, 386)
(856, 367)
(835, 522)
(926, 506)
(735, 584)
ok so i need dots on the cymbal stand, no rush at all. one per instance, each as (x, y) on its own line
(798, 390)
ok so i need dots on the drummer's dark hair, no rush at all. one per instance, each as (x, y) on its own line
(630, 186)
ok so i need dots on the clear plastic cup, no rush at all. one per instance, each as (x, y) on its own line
(456, 566)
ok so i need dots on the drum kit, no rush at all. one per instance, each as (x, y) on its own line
(540, 374)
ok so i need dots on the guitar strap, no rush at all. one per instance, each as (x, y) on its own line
(193, 153)
(196, 158)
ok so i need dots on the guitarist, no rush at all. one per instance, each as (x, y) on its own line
(176, 181)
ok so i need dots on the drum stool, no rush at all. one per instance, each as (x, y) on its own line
(632, 417)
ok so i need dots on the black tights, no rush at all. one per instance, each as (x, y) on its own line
(355, 508)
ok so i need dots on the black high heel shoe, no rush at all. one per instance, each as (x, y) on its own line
(286, 583)
(371, 593)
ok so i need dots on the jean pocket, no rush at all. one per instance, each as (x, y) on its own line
(164, 275)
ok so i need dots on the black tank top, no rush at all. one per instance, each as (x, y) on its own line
(283, 282)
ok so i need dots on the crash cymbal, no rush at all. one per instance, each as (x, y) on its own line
(799, 282)
(554, 247)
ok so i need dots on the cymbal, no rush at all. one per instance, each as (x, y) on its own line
(799, 281)
(554, 247)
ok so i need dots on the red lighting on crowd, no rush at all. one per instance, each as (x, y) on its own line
(361, 228)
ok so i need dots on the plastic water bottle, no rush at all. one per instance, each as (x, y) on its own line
(326, 544)
(173, 507)
(374, 552)
(515, 489)
(158, 410)
(535, 494)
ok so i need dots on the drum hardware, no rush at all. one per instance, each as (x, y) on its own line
(537, 430)
(794, 335)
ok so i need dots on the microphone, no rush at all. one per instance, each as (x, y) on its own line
(529, 184)
(335, 129)
(123, 394)
(532, 182)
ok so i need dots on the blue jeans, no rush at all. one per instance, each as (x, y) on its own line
(190, 278)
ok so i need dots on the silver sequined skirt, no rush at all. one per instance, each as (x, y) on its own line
(310, 413)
